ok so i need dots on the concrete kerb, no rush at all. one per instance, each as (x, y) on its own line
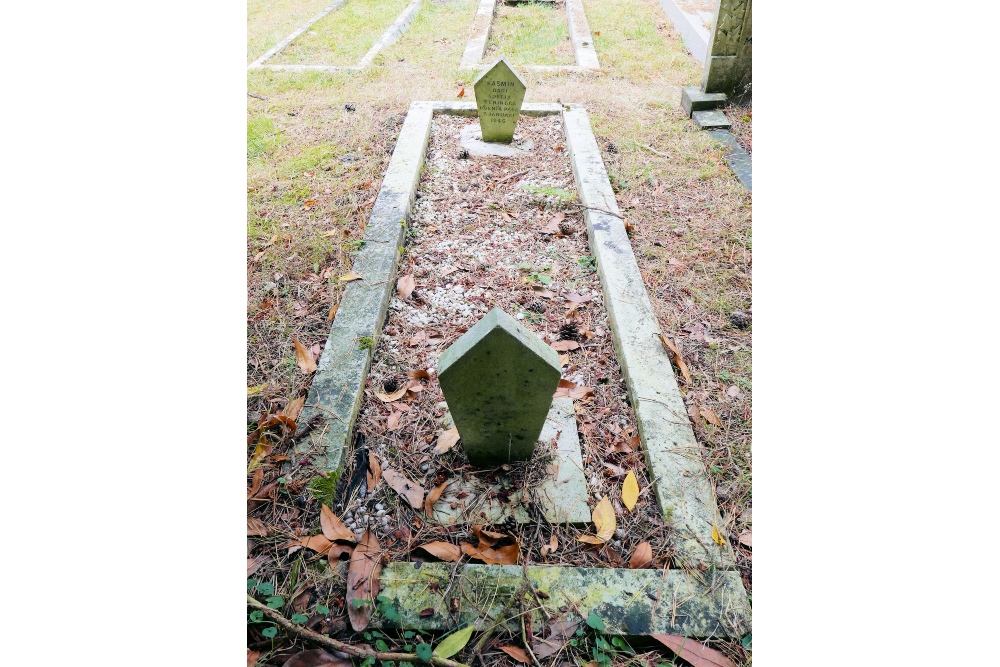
(693, 32)
(682, 488)
(737, 158)
(389, 37)
(579, 32)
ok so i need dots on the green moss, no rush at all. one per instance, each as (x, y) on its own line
(323, 489)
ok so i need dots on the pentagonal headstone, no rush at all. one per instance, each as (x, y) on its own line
(498, 379)
(499, 93)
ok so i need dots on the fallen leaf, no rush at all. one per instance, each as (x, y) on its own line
(454, 642)
(255, 482)
(717, 536)
(425, 613)
(317, 543)
(305, 360)
(517, 653)
(486, 537)
(642, 557)
(252, 657)
(412, 492)
(363, 580)
(604, 521)
(563, 359)
(617, 471)
(443, 550)
(374, 472)
(394, 396)
(711, 416)
(565, 345)
(333, 527)
(333, 312)
(404, 286)
(461, 93)
(551, 547)
(418, 374)
(597, 32)
(675, 357)
(576, 298)
(432, 497)
(293, 409)
(392, 423)
(254, 564)
(694, 652)
(348, 277)
(746, 538)
(733, 392)
(253, 391)
(446, 440)
(256, 527)
(315, 657)
(338, 550)
(501, 556)
(630, 491)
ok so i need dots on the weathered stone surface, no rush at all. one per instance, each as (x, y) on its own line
(498, 379)
(691, 27)
(630, 602)
(710, 120)
(562, 496)
(694, 99)
(730, 63)
(472, 141)
(476, 46)
(335, 393)
(683, 489)
(499, 93)
(737, 158)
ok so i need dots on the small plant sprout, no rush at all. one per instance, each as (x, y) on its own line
(365, 343)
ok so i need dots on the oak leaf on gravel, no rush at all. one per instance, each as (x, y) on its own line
(303, 358)
(394, 396)
(412, 492)
(333, 527)
(694, 652)
(363, 580)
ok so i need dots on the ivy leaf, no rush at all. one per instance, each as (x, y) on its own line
(275, 602)
(595, 622)
(299, 618)
(381, 645)
(454, 642)
(323, 609)
(270, 632)
(390, 613)
(266, 588)
(424, 651)
(251, 583)
(256, 616)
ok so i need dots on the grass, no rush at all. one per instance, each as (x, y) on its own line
(270, 21)
(531, 33)
(692, 238)
(343, 36)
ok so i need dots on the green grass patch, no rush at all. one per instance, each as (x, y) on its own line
(270, 21)
(344, 35)
(531, 34)
(262, 137)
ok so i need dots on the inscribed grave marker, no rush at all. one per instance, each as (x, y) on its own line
(499, 379)
(499, 93)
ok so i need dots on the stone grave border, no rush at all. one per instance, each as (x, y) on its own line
(579, 33)
(736, 157)
(390, 36)
(693, 32)
(680, 483)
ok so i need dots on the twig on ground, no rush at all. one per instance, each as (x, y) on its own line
(259, 97)
(346, 648)
(602, 210)
(653, 150)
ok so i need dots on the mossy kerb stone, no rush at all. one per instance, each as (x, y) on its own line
(499, 94)
(499, 379)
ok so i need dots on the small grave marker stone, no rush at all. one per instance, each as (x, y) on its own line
(499, 379)
(499, 94)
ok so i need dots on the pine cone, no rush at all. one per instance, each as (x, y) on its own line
(463, 154)
(569, 332)
(612, 147)
(566, 228)
(740, 319)
(537, 306)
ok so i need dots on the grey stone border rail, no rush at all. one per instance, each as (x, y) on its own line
(579, 33)
(681, 485)
(694, 35)
(736, 157)
(391, 34)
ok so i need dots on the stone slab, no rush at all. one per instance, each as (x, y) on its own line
(481, 25)
(336, 390)
(472, 140)
(683, 489)
(498, 379)
(692, 29)
(694, 99)
(580, 35)
(562, 496)
(280, 46)
(710, 120)
(499, 94)
(630, 602)
(737, 158)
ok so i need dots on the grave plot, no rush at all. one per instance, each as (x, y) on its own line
(347, 39)
(269, 21)
(534, 235)
(535, 36)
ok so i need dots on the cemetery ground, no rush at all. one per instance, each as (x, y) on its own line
(318, 145)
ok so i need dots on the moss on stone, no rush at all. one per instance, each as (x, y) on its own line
(324, 489)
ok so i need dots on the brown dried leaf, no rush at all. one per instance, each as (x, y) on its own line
(746, 538)
(254, 564)
(642, 557)
(501, 556)
(256, 527)
(394, 396)
(317, 543)
(293, 409)
(446, 440)
(419, 374)
(694, 652)
(432, 497)
(316, 657)
(258, 479)
(412, 492)
(517, 653)
(333, 312)
(551, 547)
(392, 423)
(346, 278)
(363, 580)
(305, 360)
(711, 416)
(675, 357)
(252, 657)
(576, 298)
(443, 550)
(616, 471)
(333, 527)
(374, 472)
(337, 551)
(486, 537)
(565, 345)
(404, 286)
(563, 359)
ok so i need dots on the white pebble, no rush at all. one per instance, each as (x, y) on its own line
(385, 521)
(379, 506)
(424, 467)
